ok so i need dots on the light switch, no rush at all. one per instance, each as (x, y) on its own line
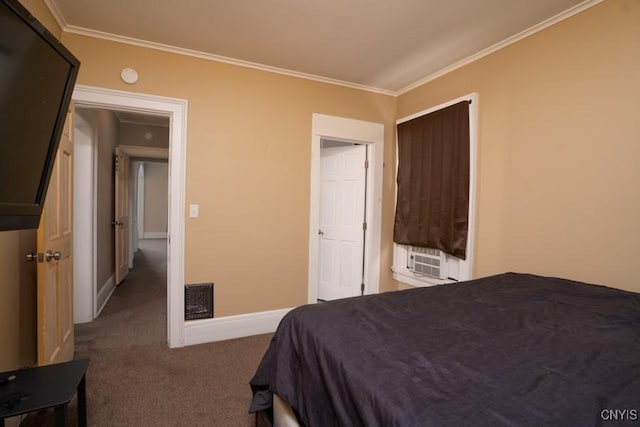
(193, 211)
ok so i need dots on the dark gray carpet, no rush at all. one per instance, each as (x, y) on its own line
(134, 379)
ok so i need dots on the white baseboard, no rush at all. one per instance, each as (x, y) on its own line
(229, 327)
(154, 235)
(104, 294)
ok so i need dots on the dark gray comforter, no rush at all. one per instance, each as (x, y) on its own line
(507, 350)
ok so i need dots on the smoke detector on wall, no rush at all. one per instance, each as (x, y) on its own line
(129, 76)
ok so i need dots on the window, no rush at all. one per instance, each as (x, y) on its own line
(433, 232)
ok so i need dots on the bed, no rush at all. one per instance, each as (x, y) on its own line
(510, 350)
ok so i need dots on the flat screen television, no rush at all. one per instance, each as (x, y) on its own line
(37, 76)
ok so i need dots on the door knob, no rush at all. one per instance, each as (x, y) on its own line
(53, 255)
(320, 232)
(32, 256)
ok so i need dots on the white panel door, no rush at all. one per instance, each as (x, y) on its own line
(342, 203)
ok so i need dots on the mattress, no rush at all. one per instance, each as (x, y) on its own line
(511, 349)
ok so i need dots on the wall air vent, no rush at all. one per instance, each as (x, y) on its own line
(427, 262)
(198, 301)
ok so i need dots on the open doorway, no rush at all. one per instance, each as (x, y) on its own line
(149, 201)
(142, 205)
(363, 145)
(115, 215)
(168, 109)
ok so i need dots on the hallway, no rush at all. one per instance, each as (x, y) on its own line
(137, 310)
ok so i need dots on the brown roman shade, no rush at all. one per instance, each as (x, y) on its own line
(433, 180)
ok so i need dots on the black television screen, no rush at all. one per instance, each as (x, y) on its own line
(37, 75)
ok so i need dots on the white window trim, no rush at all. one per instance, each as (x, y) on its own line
(400, 252)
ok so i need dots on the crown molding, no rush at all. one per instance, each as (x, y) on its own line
(217, 58)
(238, 62)
(500, 45)
(57, 15)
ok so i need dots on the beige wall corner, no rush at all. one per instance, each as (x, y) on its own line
(558, 148)
(42, 13)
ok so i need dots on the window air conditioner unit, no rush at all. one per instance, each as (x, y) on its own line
(427, 262)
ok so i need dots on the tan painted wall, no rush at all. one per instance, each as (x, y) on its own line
(559, 149)
(143, 135)
(42, 14)
(248, 158)
(18, 278)
(156, 202)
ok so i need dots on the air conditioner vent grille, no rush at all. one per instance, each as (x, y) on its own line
(426, 261)
(427, 251)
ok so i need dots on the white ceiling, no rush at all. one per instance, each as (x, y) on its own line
(375, 44)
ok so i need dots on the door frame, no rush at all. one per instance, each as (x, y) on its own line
(122, 204)
(84, 218)
(358, 132)
(176, 110)
(139, 203)
(138, 156)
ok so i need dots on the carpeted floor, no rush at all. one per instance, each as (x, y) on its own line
(134, 379)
